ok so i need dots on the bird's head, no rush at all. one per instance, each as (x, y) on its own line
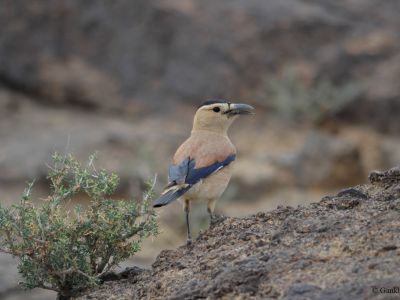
(218, 115)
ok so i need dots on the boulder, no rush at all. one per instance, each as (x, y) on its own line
(345, 246)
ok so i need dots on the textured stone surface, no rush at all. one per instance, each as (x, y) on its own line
(338, 248)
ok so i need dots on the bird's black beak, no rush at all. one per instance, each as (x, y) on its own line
(239, 109)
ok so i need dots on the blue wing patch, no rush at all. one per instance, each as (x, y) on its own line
(186, 172)
(177, 174)
(195, 175)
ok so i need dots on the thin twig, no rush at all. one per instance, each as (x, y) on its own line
(151, 189)
(66, 148)
(46, 287)
(71, 271)
(7, 251)
(106, 267)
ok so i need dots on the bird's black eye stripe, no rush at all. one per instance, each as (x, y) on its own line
(216, 109)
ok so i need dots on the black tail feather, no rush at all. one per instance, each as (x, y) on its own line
(170, 196)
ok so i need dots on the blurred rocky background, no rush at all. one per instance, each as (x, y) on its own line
(124, 78)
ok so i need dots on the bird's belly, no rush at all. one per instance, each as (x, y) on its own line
(211, 187)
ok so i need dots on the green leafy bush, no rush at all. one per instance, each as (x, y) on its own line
(70, 250)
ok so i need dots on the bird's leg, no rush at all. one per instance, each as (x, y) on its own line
(189, 235)
(212, 216)
(187, 208)
(214, 219)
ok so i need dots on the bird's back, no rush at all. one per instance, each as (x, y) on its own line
(207, 148)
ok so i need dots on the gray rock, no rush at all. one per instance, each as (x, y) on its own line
(347, 260)
(328, 161)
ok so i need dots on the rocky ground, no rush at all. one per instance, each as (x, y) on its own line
(339, 248)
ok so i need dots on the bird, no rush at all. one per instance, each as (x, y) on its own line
(202, 166)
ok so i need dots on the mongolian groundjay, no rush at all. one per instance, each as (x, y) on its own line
(202, 165)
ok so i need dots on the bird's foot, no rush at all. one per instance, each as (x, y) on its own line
(189, 242)
(216, 219)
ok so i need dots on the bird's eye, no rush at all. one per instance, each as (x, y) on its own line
(216, 109)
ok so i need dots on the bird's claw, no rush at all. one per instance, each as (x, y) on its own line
(216, 219)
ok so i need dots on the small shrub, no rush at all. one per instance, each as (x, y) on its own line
(293, 100)
(69, 250)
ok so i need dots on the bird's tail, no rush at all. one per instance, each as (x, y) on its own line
(170, 195)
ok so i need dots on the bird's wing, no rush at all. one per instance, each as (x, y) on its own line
(177, 173)
(190, 175)
(187, 173)
(196, 174)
